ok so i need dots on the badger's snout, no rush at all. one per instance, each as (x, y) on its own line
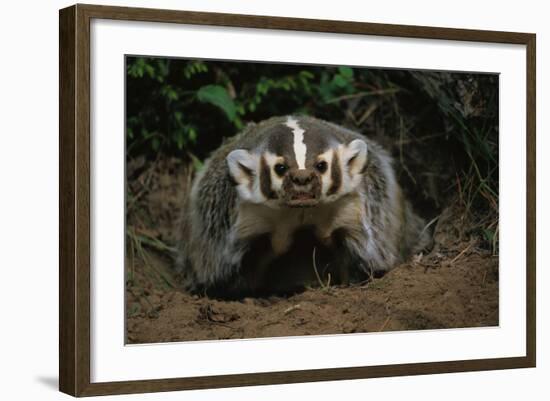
(302, 188)
(302, 177)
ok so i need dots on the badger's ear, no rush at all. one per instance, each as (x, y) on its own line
(242, 166)
(355, 156)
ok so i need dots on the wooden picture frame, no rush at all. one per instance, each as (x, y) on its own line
(74, 203)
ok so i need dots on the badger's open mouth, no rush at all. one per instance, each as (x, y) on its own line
(301, 194)
(302, 199)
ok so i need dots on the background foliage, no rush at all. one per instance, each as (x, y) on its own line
(441, 127)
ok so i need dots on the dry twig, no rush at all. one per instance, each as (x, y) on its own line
(323, 285)
(385, 323)
(462, 253)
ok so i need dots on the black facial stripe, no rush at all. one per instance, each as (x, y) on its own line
(281, 143)
(315, 145)
(265, 180)
(317, 138)
(335, 175)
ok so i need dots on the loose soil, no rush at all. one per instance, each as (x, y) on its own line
(455, 285)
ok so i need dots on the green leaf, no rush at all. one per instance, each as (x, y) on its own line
(155, 143)
(218, 96)
(346, 72)
(238, 123)
(192, 133)
(339, 81)
(150, 70)
(180, 140)
(197, 163)
(169, 92)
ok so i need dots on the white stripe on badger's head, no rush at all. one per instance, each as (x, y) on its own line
(300, 148)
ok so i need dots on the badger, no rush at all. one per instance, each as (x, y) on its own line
(284, 188)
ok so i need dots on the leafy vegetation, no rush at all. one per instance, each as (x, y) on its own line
(441, 127)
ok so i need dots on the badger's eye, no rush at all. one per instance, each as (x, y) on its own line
(321, 166)
(280, 169)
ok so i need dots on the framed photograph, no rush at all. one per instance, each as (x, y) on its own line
(251, 200)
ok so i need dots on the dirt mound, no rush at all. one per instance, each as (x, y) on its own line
(464, 294)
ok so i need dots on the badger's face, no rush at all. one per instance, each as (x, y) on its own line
(298, 164)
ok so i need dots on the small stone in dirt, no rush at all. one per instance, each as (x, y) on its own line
(144, 304)
(448, 294)
(169, 297)
(208, 313)
(154, 299)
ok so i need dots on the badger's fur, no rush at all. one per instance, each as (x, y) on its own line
(280, 181)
